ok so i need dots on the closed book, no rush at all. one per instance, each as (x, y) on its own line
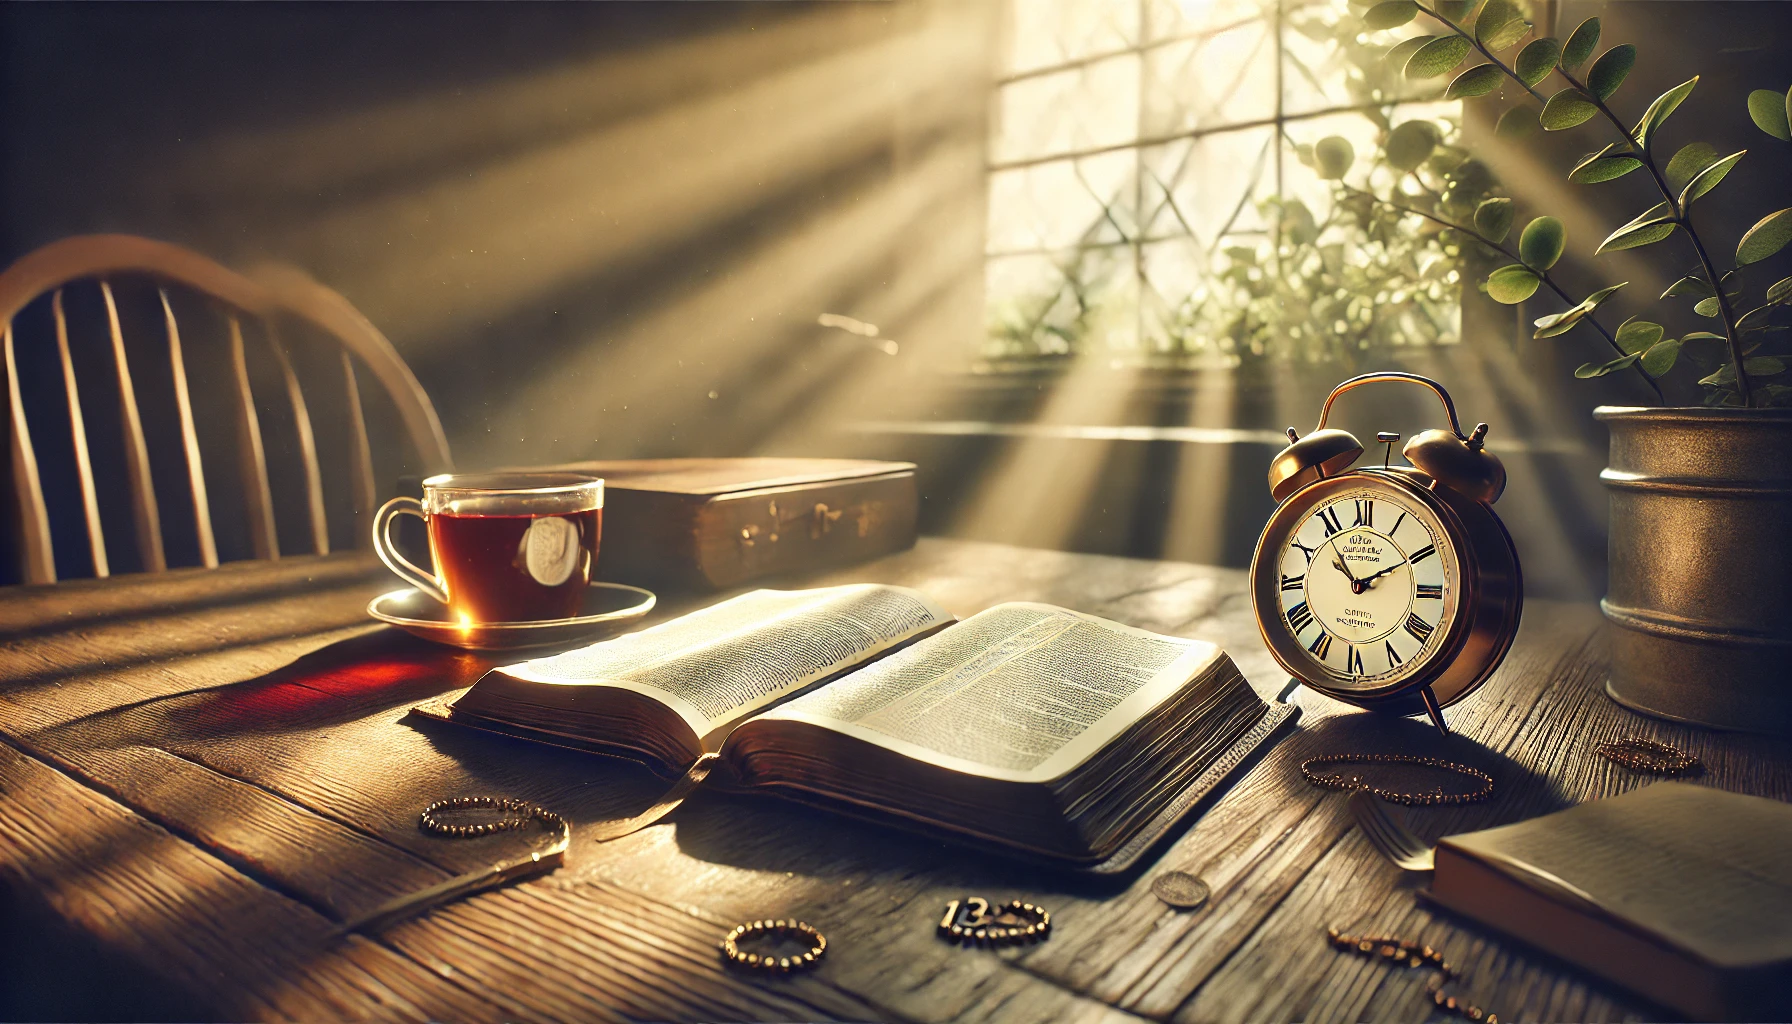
(709, 524)
(1679, 892)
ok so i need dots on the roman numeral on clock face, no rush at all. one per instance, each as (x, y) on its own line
(1320, 645)
(1365, 512)
(1299, 617)
(1423, 553)
(1304, 550)
(1431, 590)
(1397, 523)
(1293, 582)
(1329, 516)
(1393, 655)
(1353, 662)
(1418, 627)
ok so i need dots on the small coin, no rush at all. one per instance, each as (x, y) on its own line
(1180, 890)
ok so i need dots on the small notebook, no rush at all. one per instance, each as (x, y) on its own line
(1049, 732)
(1679, 892)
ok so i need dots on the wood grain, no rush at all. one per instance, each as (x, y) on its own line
(263, 736)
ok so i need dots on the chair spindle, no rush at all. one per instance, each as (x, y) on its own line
(37, 559)
(301, 419)
(183, 402)
(360, 455)
(144, 510)
(263, 539)
(90, 503)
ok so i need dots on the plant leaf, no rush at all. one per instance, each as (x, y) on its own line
(1707, 179)
(1763, 366)
(1688, 162)
(1476, 81)
(1768, 110)
(1542, 242)
(1708, 306)
(1658, 111)
(1454, 10)
(1702, 336)
(1589, 370)
(1493, 218)
(1537, 60)
(1566, 109)
(1755, 318)
(1688, 286)
(1609, 71)
(1561, 323)
(1602, 166)
(1581, 44)
(1635, 335)
(1335, 155)
(1517, 122)
(1723, 377)
(1402, 51)
(1779, 291)
(1512, 284)
(1411, 144)
(1500, 25)
(1390, 14)
(1660, 357)
(1769, 235)
(1436, 57)
(1653, 225)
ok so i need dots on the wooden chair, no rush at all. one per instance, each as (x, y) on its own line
(269, 301)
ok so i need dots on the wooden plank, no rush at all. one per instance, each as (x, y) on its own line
(239, 950)
(145, 513)
(90, 507)
(37, 562)
(258, 499)
(189, 437)
(301, 419)
(361, 485)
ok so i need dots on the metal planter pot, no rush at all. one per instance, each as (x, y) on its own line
(1700, 594)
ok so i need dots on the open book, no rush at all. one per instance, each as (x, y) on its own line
(1045, 730)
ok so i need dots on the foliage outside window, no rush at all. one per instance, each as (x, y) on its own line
(1154, 196)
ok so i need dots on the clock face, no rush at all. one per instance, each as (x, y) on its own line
(1368, 588)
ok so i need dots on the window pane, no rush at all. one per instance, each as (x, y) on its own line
(1045, 33)
(1064, 203)
(1169, 18)
(1211, 80)
(1080, 108)
(1206, 187)
(1081, 301)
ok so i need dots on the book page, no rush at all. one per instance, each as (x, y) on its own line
(1021, 691)
(716, 665)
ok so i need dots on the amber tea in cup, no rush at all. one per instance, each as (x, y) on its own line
(508, 547)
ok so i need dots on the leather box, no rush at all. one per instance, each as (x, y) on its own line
(710, 524)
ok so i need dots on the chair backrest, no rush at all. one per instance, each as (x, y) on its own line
(257, 307)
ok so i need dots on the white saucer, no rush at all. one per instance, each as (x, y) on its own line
(606, 607)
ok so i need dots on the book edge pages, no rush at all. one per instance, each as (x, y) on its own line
(1201, 659)
(1665, 982)
(1209, 785)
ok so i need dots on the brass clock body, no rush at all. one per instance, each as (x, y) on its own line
(1388, 587)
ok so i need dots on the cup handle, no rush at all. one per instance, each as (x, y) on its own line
(382, 546)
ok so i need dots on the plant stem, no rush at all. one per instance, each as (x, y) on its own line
(1683, 217)
(1484, 51)
(1542, 275)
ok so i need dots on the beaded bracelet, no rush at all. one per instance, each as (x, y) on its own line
(1406, 953)
(1395, 796)
(1650, 757)
(429, 822)
(818, 946)
(980, 928)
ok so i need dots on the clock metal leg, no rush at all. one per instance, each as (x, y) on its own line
(1434, 709)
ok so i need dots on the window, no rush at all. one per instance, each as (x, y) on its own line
(1149, 197)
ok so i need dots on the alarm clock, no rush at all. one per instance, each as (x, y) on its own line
(1394, 587)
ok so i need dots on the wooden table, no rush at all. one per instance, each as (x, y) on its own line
(202, 774)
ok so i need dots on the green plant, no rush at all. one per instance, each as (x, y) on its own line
(1753, 347)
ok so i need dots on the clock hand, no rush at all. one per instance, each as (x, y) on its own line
(1368, 580)
(1356, 586)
